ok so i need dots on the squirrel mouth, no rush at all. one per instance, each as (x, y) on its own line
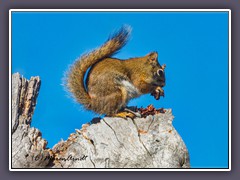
(160, 83)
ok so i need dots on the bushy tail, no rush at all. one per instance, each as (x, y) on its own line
(75, 75)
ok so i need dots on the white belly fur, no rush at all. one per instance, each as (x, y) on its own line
(131, 89)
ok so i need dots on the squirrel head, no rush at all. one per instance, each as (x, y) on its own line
(157, 71)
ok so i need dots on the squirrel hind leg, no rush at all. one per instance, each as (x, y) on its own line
(125, 112)
(108, 104)
(113, 100)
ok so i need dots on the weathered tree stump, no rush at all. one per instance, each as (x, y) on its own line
(27, 143)
(150, 142)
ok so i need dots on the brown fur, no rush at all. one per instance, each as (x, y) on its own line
(111, 82)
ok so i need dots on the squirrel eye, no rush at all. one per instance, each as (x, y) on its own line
(160, 72)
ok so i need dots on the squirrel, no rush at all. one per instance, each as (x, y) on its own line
(111, 82)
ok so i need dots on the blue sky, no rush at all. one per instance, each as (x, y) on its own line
(193, 45)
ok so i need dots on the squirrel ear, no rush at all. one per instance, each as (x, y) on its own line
(152, 56)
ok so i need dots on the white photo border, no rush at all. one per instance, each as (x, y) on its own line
(120, 10)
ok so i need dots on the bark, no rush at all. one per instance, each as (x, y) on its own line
(28, 147)
(148, 142)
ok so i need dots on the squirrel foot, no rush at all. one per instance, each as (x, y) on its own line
(125, 115)
(128, 112)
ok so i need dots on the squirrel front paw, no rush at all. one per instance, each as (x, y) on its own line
(157, 93)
